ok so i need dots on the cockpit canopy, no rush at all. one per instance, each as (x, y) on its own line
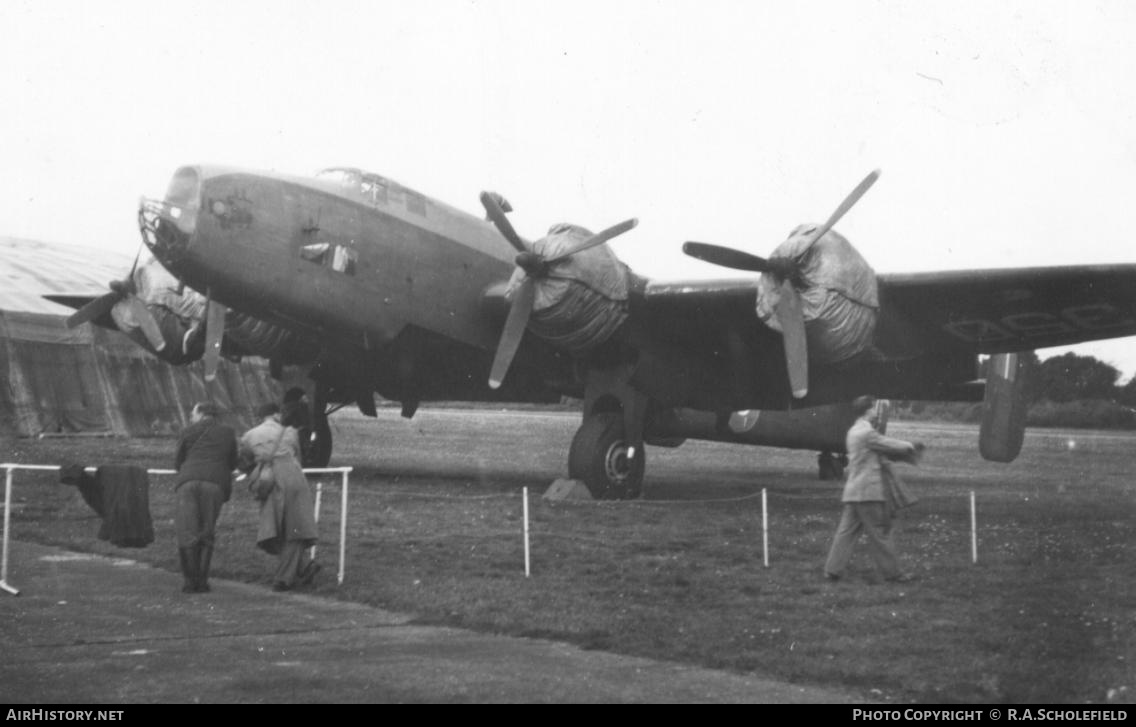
(364, 185)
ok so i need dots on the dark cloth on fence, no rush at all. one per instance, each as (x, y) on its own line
(120, 495)
(126, 505)
(77, 476)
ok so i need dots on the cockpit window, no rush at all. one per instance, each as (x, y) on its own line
(374, 189)
(347, 178)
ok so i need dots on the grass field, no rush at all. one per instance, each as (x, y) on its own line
(1046, 615)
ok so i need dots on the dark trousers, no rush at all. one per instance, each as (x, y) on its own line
(198, 507)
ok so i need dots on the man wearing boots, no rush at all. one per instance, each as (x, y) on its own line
(205, 460)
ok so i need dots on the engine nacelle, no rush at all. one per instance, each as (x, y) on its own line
(583, 299)
(839, 300)
(1004, 408)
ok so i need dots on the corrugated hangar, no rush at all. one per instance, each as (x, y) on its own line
(89, 379)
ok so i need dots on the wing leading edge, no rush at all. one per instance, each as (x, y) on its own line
(966, 311)
(1004, 310)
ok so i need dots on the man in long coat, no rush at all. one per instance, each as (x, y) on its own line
(287, 526)
(865, 501)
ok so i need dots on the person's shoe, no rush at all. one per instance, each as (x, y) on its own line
(902, 578)
(309, 573)
(281, 587)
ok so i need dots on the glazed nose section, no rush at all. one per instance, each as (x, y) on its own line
(168, 225)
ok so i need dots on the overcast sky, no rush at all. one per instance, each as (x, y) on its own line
(1006, 132)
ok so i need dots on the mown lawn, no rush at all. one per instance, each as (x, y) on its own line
(1046, 615)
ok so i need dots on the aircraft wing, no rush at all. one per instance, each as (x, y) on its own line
(1003, 310)
(973, 311)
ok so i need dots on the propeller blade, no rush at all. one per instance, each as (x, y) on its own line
(95, 309)
(147, 323)
(726, 257)
(513, 331)
(214, 331)
(497, 215)
(792, 319)
(597, 239)
(852, 198)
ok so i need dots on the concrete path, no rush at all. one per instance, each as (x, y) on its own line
(91, 629)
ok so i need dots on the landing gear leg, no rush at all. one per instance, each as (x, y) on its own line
(831, 466)
(315, 442)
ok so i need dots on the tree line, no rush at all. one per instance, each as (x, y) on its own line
(1070, 377)
(1062, 391)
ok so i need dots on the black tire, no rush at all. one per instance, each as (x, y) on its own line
(830, 466)
(598, 457)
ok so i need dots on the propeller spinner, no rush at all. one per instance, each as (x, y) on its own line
(535, 266)
(789, 272)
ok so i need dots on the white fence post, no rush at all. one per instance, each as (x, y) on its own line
(525, 496)
(973, 531)
(7, 519)
(764, 529)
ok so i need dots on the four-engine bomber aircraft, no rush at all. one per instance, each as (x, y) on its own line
(355, 284)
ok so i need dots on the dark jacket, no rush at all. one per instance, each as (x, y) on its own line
(207, 451)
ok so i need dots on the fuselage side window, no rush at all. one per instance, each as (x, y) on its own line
(339, 258)
(415, 203)
(343, 260)
(315, 252)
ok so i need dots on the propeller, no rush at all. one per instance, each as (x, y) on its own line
(789, 272)
(124, 290)
(535, 266)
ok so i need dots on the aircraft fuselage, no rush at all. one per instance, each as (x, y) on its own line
(310, 255)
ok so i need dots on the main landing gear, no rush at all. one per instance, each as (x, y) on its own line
(831, 466)
(315, 441)
(607, 453)
(310, 419)
(601, 457)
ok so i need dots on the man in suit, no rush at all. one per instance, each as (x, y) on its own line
(865, 501)
(205, 459)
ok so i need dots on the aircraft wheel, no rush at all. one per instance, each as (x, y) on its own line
(831, 466)
(315, 444)
(598, 456)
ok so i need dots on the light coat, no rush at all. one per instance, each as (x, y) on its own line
(865, 445)
(288, 513)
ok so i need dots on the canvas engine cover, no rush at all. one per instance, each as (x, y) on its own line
(840, 302)
(583, 299)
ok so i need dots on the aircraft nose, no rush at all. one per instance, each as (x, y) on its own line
(168, 225)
